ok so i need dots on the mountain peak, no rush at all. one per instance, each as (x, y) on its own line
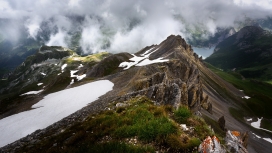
(169, 48)
(249, 31)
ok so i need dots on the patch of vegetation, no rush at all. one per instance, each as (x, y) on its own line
(86, 59)
(215, 126)
(139, 127)
(182, 114)
(237, 114)
(261, 98)
(250, 55)
(266, 124)
(115, 147)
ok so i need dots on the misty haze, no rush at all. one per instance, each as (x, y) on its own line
(136, 76)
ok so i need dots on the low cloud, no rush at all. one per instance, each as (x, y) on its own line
(122, 25)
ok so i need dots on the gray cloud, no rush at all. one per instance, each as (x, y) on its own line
(124, 25)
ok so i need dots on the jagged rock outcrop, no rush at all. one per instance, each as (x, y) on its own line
(234, 142)
(221, 122)
(175, 82)
(211, 145)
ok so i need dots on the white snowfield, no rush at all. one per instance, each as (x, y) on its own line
(51, 109)
(142, 60)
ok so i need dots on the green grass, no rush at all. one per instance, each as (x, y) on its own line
(238, 114)
(260, 92)
(266, 124)
(115, 147)
(152, 126)
(214, 124)
(86, 59)
(182, 114)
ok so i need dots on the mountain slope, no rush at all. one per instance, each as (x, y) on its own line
(158, 82)
(248, 51)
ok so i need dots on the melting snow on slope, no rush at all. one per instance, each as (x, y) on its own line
(72, 81)
(32, 92)
(80, 66)
(147, 61)
(141, 60)
(247, 97)
(250, 119)
(79, 77)
(63, 67)
(39, 84)
(257, 125)
(43, 73)
(266, 139)
(51, 109)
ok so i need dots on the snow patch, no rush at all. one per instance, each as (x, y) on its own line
(51, 109)
(268, 139)
(256, 135)
(72, 81)
(147, 61)
(39, 84)
(184, 127)
(80, 66)
(246, 97)
(257, 125)
(43, 74)
(142, 60)
(72, 72)
(79, 77)
(146, 52)
(250, 119)
(63, 67)
(32, 92)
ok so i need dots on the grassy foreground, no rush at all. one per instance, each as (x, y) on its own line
(139, 126)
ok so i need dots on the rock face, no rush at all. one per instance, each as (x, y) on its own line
(221, 122)
(234, 142)
(175, 82)
(211, 145)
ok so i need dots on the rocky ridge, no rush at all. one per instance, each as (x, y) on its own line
(179, 81)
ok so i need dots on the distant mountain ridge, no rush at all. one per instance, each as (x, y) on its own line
(249, 51)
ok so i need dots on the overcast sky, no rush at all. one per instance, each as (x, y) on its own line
(128, 25)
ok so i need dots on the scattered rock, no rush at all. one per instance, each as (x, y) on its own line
(121, 105)
(245, 139)
(221, 122)
(234, 142)
(211, 145)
